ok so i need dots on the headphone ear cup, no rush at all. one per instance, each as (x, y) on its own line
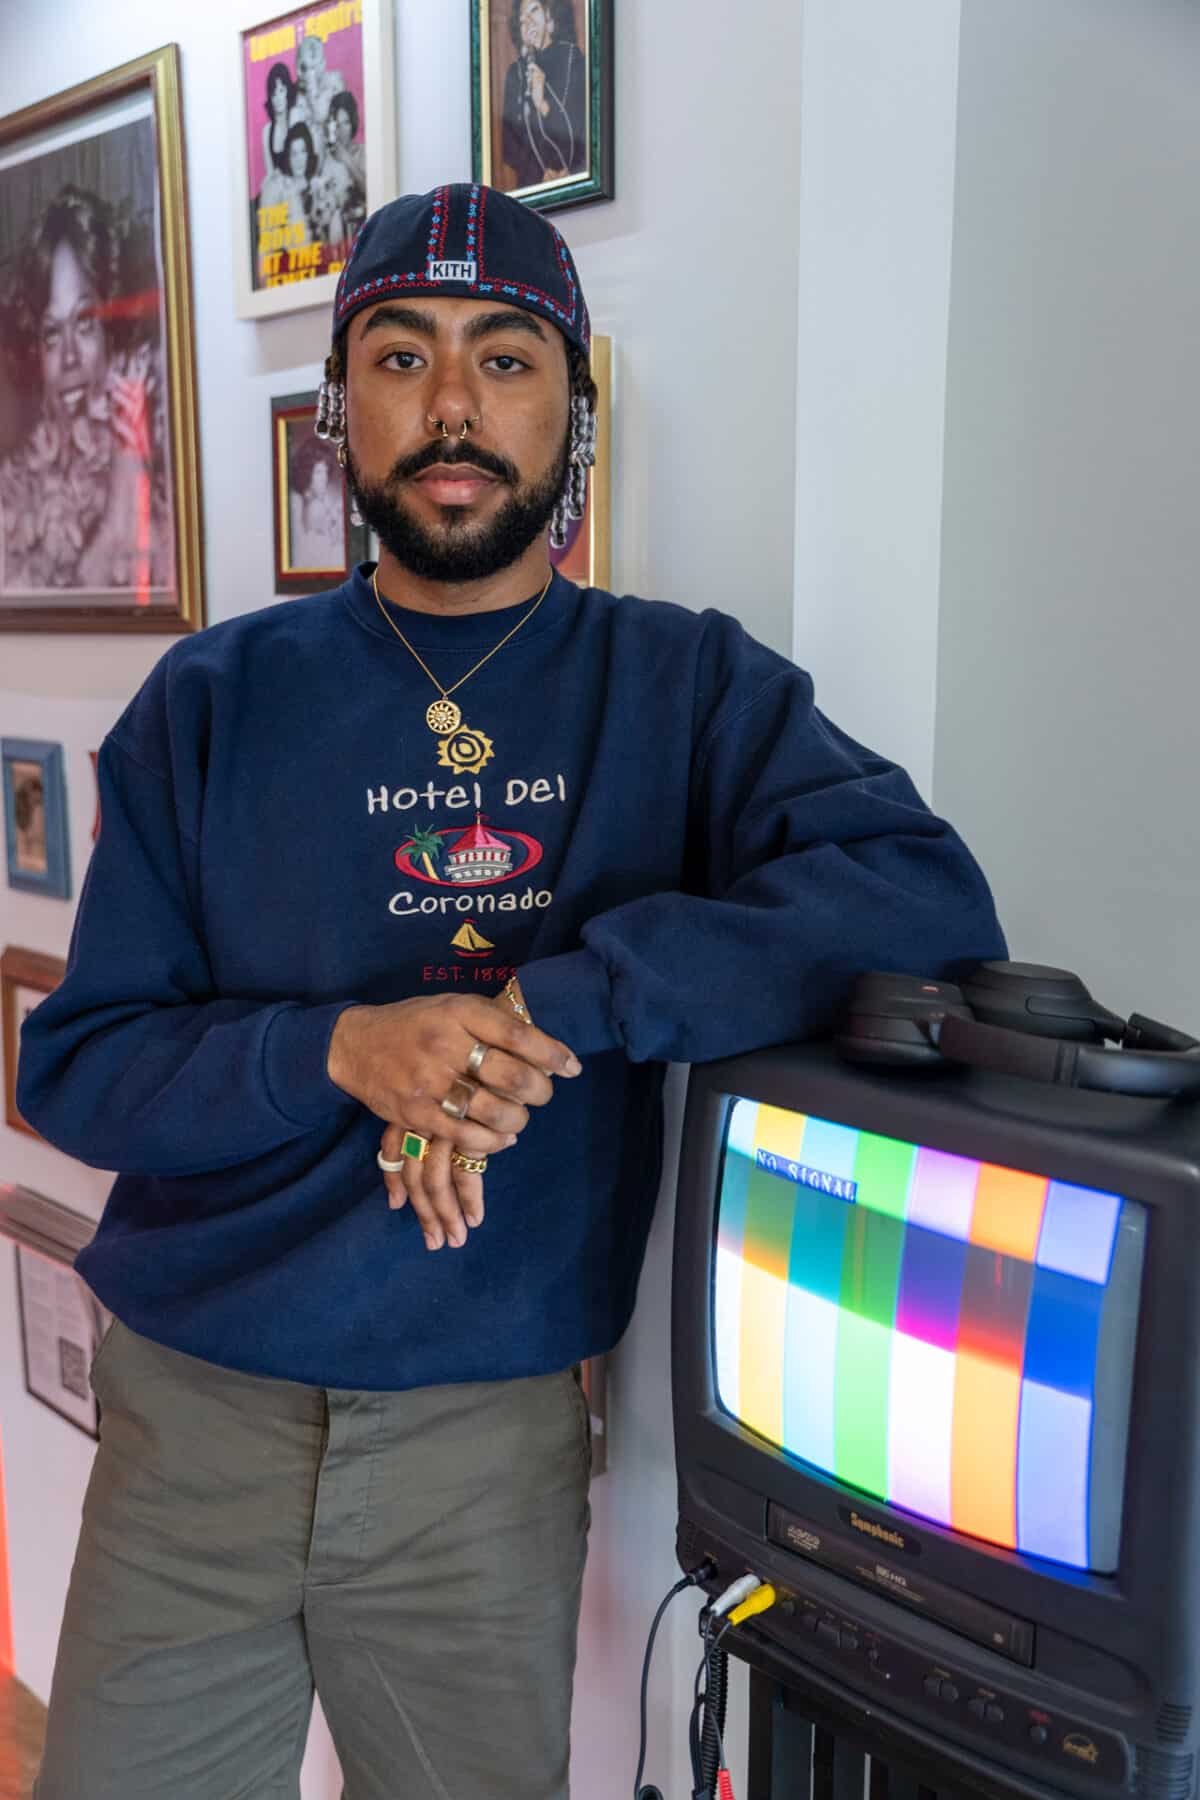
(1038, 1000)
(888, 1017)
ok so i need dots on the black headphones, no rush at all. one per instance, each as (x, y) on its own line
(1016, 1019)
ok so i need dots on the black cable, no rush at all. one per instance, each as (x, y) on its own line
(716, 1687)
(703, 1573)
(706, 1725)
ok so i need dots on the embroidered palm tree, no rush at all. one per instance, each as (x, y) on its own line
(426, 845)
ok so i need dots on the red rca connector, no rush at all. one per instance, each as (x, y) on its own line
(724, 1785)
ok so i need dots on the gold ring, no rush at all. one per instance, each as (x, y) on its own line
(458, 1109)
(471, 1165)
(414, 1147)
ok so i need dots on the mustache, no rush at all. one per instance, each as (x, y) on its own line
(441, 452)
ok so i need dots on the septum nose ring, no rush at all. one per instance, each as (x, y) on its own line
(466, 426)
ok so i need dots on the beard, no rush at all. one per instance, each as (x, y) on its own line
(462, 549)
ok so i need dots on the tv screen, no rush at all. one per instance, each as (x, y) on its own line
(950, 1336)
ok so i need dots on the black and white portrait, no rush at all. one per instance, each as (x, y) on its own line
(85, 490)
(316, 502)
(317, 539)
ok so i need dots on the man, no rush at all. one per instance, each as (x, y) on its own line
(439, 869)
(544, 116)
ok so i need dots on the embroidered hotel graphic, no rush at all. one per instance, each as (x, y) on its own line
(450, 857)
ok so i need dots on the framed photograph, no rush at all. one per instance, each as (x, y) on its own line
(542, 99)
(35, 817)
(586, 557)
(26, 977)
(316, 543)
(100, 526)
(62, 1323)
(315, 148)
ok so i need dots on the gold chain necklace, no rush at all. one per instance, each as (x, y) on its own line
(443, 716)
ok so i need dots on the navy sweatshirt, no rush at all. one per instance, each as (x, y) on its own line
(643, 813)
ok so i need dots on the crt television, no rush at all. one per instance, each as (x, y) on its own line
(935, 1351)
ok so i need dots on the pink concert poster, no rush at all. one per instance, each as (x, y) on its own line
(302, 82)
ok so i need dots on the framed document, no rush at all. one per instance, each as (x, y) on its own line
(315, 148)
(100, 526)
(62, 1324)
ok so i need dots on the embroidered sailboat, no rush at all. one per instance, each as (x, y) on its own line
(469, 942)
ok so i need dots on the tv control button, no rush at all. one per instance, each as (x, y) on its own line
(976, 1708)
(849, 1641)
(1038, 1734)
(933, 1686)
(994, 1715)
(828, 1633)
(949, 1692)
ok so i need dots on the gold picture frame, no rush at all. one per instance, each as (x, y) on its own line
(100, 510)
(586, 558)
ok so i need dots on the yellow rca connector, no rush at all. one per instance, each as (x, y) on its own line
(760, 1601)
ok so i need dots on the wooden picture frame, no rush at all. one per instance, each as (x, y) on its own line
(26, 977)
(586, 557)
(100, 515)
(542, 100)
(36, 827)
(317, 543)
(293, 226)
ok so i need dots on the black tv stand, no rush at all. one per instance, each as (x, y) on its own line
(806, 1746)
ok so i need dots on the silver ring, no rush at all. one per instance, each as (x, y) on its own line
(389, 1168)
(459, 1111)
(475, 1060)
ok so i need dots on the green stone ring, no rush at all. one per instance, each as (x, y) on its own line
(415, 1146)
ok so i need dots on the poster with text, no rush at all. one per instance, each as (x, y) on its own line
(304, 117)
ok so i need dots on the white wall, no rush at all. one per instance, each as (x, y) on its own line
(876, 208)
(1068, 731)
(693, 272)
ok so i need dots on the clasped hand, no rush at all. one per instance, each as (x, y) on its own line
(402, 1060)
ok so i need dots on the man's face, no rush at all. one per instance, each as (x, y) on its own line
(449, 509)
(536, 25)
(72, 338)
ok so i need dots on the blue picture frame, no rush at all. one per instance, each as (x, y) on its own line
(39, 851)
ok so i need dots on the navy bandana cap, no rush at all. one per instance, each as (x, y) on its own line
(468, 241)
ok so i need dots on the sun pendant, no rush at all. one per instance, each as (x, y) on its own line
(443, 717)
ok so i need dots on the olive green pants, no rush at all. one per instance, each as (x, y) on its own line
(417, 1557)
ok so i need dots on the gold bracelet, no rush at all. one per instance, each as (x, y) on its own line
(518, 1006)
